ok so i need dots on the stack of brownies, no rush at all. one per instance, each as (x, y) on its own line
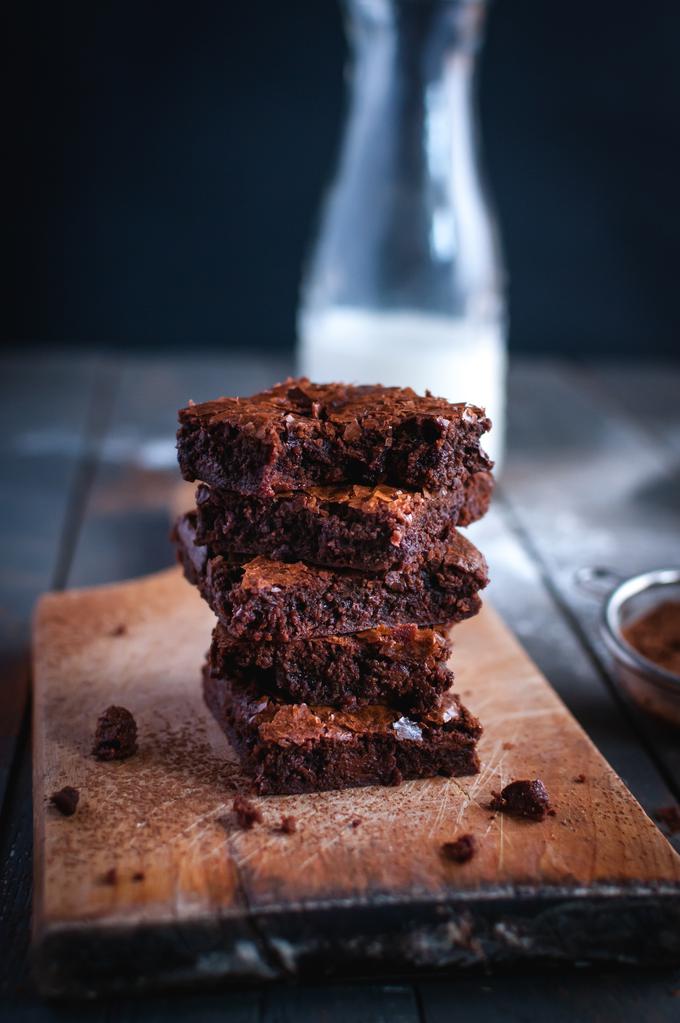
(324, 541)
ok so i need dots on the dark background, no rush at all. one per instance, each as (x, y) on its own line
(167, 160)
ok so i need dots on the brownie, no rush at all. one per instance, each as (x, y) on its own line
(350, 526)
(299, 434)
(289, 748)
(274, 600)
(403, 666)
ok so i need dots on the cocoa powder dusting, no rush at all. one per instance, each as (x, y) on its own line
(656, 635)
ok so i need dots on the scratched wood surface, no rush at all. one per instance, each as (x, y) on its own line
(165, 814)
(92, 534)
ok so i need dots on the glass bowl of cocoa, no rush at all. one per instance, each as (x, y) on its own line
(640, 626)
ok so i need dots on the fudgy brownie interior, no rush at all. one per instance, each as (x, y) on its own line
(404, 667)
(371, 528)
(291, 748)
(299, 434)
(267, 600)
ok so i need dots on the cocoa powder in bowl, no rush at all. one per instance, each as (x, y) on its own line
(656, 635)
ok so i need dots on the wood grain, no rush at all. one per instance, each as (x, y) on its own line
(216, 901)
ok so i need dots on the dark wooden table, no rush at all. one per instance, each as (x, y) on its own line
(592, 477)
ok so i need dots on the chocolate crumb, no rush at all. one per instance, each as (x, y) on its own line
(110, 877)
(119, 630)
(508, 745)
(523, 798)
(669, 817)
(287, 826)
(356, 822)
(66, 800)
(246, 812)
(116, 735)
(579, 779)
(138, 875)
(461, 850)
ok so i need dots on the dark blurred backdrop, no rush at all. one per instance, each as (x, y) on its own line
(167, 160)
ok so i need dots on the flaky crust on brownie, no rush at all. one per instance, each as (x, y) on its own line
(299, 434)
(370, 528)
(262, 599)
(404, 667)
(291, 748)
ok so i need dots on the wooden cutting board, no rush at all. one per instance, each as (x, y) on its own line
(197, 899)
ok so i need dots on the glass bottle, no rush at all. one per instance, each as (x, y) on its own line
(405, 284)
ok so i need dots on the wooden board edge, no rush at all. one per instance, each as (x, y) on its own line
(37, 777)
(352, 942)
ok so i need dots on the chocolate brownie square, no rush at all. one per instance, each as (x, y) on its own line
(264, 600)
(299, 434)
(297, 747)
(350, 526)
(404, 667)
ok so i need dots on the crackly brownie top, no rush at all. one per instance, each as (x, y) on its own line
(399, 502)
(300, 405)
(292, 724)
(367, 499)
(419, 642)
(456, 555)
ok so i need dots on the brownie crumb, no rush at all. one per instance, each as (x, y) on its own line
(461, 850)
(65, 800)
(356, 822)
(138, 875)
(669, 817)
(116, 735)
(508, 745)
(119, 630)
(246, 812)
(580, 779)
(528, 799)
(110, 877)
(287, 826)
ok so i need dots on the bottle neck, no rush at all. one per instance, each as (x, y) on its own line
(421, 34)
(407, 220)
